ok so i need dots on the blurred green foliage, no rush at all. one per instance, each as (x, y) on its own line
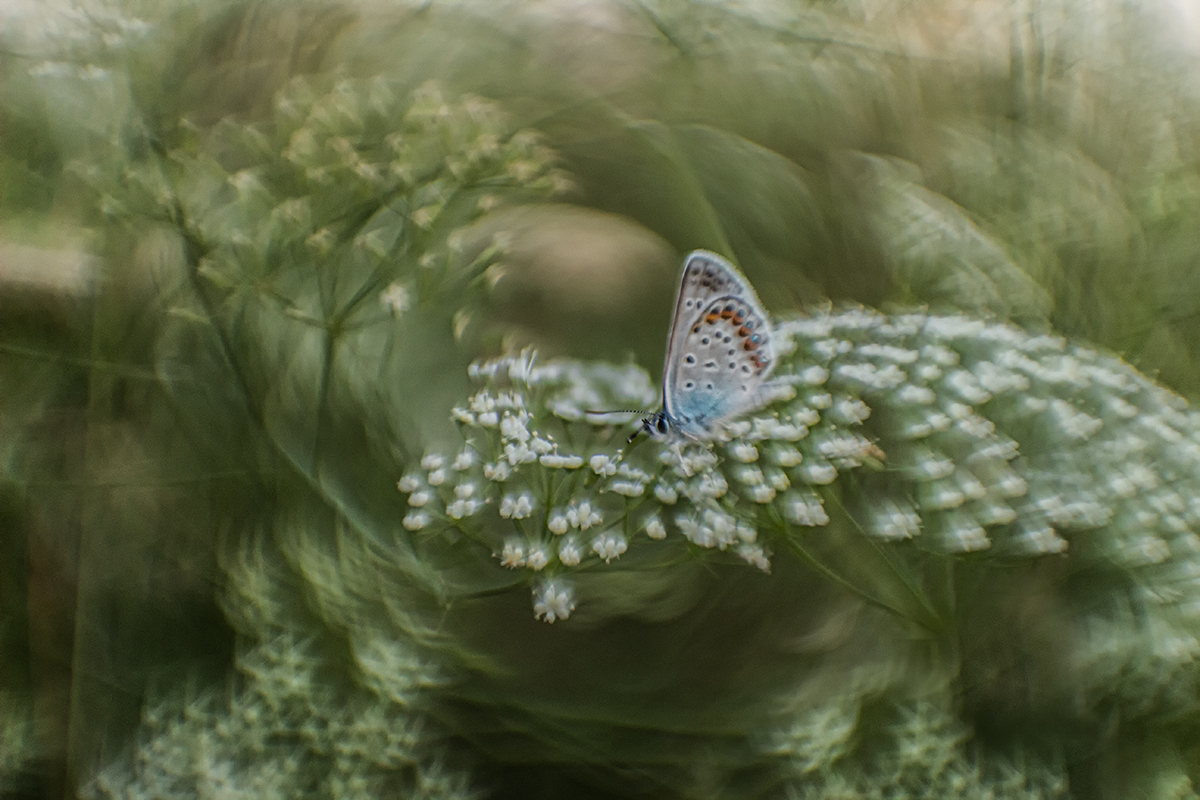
(269, 238)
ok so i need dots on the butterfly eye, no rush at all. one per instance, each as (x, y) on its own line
(661, 426)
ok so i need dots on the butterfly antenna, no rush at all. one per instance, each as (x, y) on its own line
(616, 411)
(640, 428)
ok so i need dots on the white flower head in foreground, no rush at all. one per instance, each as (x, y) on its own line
(928, 420)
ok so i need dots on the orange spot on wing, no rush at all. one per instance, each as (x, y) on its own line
(712, 317)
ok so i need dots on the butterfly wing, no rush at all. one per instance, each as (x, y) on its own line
(719, 348)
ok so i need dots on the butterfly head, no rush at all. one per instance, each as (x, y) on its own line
(657, 426)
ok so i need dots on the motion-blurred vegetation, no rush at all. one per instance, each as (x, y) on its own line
(250, 251)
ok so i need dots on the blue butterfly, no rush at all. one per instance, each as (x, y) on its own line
(719, 352)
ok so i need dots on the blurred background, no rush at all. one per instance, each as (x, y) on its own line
(248, 249)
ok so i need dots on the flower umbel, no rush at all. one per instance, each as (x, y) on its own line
(923, 416)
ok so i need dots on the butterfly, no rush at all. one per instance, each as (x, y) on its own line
(719, 352)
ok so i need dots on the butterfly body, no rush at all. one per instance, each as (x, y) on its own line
(719, 351)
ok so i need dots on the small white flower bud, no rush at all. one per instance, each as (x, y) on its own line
(655, 528)
(557, 523)
(569, 553)
(415, 520)
(513, 555)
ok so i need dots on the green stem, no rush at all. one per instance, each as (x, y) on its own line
(900, 575)
(846, 584)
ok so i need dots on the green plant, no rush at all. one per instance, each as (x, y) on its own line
(954, 557)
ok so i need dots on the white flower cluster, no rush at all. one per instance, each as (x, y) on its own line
(969, 436)
(964, 398)
(555, 508)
